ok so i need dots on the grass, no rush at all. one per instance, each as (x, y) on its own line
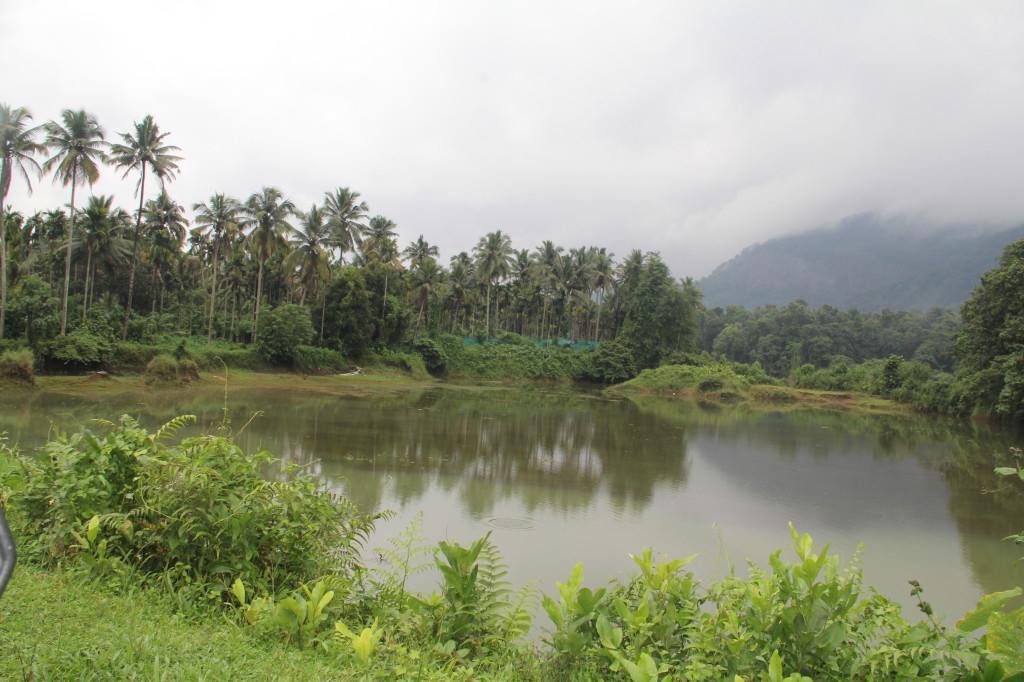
(54, 629)
(385, 379)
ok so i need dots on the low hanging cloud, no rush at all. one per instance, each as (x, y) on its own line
(693, 129)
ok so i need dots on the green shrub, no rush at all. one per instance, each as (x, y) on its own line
(513, 339)
(432, 354)
(688, 378)
(612, 363)
(710, 384)
(130, 357)
(407, 362)
(811, 617)
(163, 369)
(505, 361)
(16, 367)
(78, 350)
(312, 360)
(282, 331)
(196, 513)
(187, 370)
(214, 358)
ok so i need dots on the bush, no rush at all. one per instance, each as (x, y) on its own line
(16, 367)
(163, 369)
(407, 362)
(187, 370)
(311, 360)
(513, 339)
(719, 378)
(432, 354)
(811, 617)
(78, 350)
(282, 330)
(710, 384)
(504, 361)
(197, 513)
(612, 363)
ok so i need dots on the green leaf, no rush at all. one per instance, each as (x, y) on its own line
(554, 613)
(775, 667)
(987, 605)
(611, 637)
(1005, 637)
(1006, 471)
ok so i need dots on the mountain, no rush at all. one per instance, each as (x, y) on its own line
(865, 262)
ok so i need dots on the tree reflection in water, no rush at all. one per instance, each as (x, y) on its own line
(596, 478)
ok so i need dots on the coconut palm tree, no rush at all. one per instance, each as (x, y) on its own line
(165, 226)
(419, 251)
(99, 241)
(345, 216)
(604, 277)
(494, 260)
(426, 279)
(545, 260)
(16, 149)
(379, 245)
(78, 146)
(219, 219)
(146, 149)
(268, 212)
(309, 250)
(460, 280)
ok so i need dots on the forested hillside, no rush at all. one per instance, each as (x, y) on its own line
(865, 262)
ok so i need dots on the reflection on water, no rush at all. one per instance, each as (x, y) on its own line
(561, 476)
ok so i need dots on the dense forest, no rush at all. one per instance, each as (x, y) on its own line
(77, 280)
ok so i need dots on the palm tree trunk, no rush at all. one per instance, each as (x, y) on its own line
(3, 263)
(228, 300)
(384, 305)
(152, 288)
(213, 291)
(135, 255)
(488, 306)
(259, 295)
(323, 313)
(67, 260)
(85, 295)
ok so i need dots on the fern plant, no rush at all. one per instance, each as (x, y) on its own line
(197, 513)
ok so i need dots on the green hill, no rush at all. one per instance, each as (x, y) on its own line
(865, 262)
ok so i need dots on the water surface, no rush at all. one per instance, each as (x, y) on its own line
(559, 476)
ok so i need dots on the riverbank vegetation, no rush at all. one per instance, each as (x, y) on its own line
(258, 282)
(163, 557)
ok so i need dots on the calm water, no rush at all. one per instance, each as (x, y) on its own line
(561, 476)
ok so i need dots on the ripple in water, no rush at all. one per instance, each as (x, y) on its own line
(510, 523)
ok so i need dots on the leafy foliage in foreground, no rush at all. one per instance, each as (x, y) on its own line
(198, 513)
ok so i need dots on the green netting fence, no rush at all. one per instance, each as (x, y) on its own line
(561, 343)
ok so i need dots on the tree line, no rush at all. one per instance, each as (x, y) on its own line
(217, 272)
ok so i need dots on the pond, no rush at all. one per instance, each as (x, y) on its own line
(560, 476)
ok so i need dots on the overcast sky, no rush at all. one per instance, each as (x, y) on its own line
(690, 128)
